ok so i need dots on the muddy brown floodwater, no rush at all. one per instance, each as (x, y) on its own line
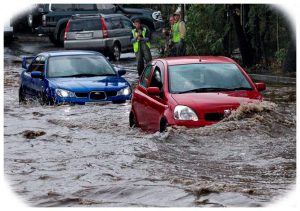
(88, 155)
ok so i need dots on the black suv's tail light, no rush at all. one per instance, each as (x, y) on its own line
(104, 28)
(44, 22)
(67, 29)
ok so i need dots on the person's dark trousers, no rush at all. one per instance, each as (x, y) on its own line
(179, 49)
(143, 54)
(182, 48)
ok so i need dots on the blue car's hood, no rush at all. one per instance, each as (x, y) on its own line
(88, 84)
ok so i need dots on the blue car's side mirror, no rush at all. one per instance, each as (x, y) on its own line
(24, 61)
(121, 72)
(36, 74)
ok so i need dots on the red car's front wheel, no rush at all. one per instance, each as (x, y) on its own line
(132, 120)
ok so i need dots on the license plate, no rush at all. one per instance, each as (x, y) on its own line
(84, 36)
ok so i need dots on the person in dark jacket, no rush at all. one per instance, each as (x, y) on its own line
(140, 38)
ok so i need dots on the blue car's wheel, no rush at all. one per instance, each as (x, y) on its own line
(22, 98)
(45, 100)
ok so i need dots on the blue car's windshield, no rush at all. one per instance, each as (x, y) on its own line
(79, 66)
(206, 78)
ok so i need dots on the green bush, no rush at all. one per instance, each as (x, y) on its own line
(280, 55)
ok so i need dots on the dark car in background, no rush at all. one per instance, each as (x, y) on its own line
(109, 34)
(54, 17)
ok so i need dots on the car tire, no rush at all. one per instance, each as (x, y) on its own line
(61, 37)
(163, 125)
(22, 98)
(132, 120)
(115, 53)
(44, 100)
(53, 40)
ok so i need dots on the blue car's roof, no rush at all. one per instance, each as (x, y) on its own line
(69, 53)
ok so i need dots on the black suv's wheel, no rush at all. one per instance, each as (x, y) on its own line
(61, 37)
(132, 120)
(53, 40)
(116, 53)
(22, 98)
(163, 125)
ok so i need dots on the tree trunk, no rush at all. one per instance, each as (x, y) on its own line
(244, 45)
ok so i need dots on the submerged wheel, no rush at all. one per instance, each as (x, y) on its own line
(44, 100)
(163, 125)
(116, 53)
(132, 120)
(22, 98)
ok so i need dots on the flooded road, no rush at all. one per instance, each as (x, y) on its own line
(88, 155)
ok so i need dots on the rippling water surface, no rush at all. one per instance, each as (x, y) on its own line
(88, 155)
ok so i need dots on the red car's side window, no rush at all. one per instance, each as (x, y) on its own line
(145, 78)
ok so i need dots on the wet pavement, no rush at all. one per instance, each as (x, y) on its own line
(88, 155)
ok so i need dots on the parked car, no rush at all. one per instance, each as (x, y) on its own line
(55, 17)
(151, 19)
(8, 32)
(109, 34)
(77, 77)
(190, 91)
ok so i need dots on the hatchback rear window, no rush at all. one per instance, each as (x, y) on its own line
(85, 25)
(61, 7)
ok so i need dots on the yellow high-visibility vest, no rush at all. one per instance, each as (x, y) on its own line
(175, 33)
(136, 44)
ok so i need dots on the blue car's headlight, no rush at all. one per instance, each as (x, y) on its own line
(64, 93)
(125, 91)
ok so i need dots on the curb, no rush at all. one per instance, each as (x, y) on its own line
(273, 79)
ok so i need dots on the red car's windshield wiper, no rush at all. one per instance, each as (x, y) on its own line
(206, 89)
(242, 88)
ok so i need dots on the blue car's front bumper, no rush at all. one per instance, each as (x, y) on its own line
(84, 100)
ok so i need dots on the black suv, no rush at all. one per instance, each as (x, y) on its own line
(55, 17)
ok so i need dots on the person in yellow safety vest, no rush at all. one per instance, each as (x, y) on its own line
(178, 36)
(168, 37)
(140, 38)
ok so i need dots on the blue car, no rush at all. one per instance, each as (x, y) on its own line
(75, 77)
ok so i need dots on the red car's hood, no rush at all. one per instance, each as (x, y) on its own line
(216, 101)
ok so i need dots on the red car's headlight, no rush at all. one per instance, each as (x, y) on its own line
(184, 113)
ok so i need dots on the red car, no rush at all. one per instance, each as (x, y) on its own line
(190, 91)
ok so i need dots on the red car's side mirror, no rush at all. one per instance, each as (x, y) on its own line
(260, 86)
(153, 91)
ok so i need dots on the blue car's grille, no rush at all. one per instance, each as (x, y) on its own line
(97, 95)
(111, 93)
(81, 94)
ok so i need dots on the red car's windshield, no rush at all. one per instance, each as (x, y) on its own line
(206, 77)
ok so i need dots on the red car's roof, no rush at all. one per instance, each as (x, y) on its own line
(196, 59)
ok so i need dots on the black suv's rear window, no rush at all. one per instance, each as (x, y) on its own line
(62, 7)
(85, 25)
